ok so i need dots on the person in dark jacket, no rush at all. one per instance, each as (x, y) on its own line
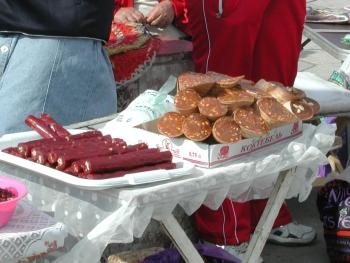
(52, 60)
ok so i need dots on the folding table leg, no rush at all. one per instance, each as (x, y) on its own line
(180, 240)
(262, 231)
(305, 42)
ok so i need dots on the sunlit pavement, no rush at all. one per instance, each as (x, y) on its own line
(313, 59)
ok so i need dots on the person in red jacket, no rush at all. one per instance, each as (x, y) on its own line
(158, 15)
(261, 40)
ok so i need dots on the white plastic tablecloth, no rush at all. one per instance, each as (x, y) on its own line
(118, 215)
(29, 234)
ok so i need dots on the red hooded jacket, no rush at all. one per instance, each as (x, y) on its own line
(258, 39)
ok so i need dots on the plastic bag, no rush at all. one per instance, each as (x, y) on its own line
(148, 106)
(341, 77)
(333, 203)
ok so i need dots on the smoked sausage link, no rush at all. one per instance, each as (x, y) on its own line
(126, 160)
(40, 127)
(53, 125)
(158, 166)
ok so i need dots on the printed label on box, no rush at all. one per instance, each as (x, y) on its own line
(212, 155)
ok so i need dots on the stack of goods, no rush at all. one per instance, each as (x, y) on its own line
(228, 109)
(90, 154)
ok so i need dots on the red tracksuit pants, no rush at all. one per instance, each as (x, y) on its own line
(258, 39)
(233, 222)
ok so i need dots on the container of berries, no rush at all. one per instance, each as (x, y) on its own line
(11, 192)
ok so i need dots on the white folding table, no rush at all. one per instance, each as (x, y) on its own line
(117, 215)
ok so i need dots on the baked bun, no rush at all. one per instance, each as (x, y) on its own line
(211, 108)
(300, 109)
(298, 93)
(186, 101)
(226, 130)
(170, 124)
(196, 127)
(273, 112)
(224, 81)
(250, 122)
(234, 98)
(313, 103)
(280, 93)
(254, 91)
(244, 81)
(199, 82)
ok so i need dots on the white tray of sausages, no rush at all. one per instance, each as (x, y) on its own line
(129, 179)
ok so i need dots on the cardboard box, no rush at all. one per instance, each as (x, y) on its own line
(209, 155)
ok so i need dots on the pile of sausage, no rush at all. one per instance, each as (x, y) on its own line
(90, 154)
(231, 108)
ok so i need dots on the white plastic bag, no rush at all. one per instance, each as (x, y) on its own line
(149, 105)
(331, 97)
(341, 77)
(345, 71)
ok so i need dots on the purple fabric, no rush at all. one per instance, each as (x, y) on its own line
(169, 255)
(330, 120)
(209, 252)
(217, 253)
(333, 202)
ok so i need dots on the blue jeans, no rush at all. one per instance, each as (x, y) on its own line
(71, 79)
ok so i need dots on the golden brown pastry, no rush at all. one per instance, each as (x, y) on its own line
(274, 113)
(280, 93)
(313, 103)
(196, 127)
(234, 98)
(250, 122)
(186, 101)
(170, 124)
(224, 81)
(226, 130)
(256, 92)
(298, 93)
(211, 108)
(300, 109)
(199, 82)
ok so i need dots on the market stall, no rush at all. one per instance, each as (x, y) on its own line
(99, 215)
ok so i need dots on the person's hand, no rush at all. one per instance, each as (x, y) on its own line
(161, 15)
(129, 14)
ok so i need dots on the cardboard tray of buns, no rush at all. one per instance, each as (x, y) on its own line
(207, 154)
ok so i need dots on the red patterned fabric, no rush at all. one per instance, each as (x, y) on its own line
(123, 35)
(131, 65)
(131, 51)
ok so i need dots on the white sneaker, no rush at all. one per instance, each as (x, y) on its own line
(237, 250)
(292, 234)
